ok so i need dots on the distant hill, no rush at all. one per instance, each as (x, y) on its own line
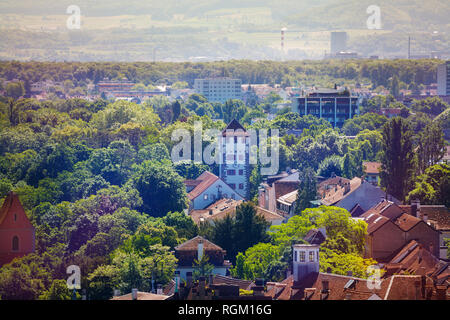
(323, 14)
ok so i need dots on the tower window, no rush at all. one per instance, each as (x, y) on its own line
(15, 243)
(311, 256)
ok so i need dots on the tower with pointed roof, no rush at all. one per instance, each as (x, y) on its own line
(235, 166)
(17, 234)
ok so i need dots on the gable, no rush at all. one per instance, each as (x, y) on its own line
(12, 214)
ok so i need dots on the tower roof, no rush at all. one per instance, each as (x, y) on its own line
(234, 125)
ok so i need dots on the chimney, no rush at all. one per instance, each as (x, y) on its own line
(258, 289)
(134, 294)
(211, 279)
(200, 249)
(325, 286)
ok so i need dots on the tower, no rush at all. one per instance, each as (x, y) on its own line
(235, 167)
(305, 260)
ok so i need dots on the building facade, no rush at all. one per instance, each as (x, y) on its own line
(235, 166)
(17, 234)
(219, 89)
(443, 79)
(330, 104)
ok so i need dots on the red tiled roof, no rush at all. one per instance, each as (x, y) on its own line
(407, 222)
(413, 258)
(192, 245)
(206, 180)
(438, 215)
(372, 167)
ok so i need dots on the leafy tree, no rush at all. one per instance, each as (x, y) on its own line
(307, 190)
(397, 161)
(183, 224)
(329, 166)
(202, 267)
(160, 187)
(57, 291)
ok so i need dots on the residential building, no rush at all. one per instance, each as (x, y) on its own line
(443, 79)
(224, 207)
(438, 216)
(316, 236)
(194, 249)
(114, 85)
(333, 105)
(219, 89)
(372, 172)
(207, 189)
(390, 228)
(308, 283)
(353, 194)
(17, 234)
(235, 167)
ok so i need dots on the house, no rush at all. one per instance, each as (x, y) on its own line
(207, 189)
(372, 172)
(390, 229)
(415, 258)
(223, 207)
(438, 216)
(286, 204)
(17, 234)
(277, 186)
(192, 250)
(355, 192)
(308, 283)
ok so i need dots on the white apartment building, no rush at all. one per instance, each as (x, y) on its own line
(443, 79)
(219, 89)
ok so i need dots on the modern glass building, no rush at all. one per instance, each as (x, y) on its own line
(332, 105)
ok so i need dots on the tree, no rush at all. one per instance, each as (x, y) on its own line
(183, 224)
(15, 90)
(329, 166)
(202, 267)
(307, 190)
(160, 187)
(397, 160)
(431, 146)
(57, 291)
(176, 109)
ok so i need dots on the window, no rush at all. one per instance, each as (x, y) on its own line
(233, 186)
(302, 256)
(241, 186)
(295, 256)
(231, 172)
(15, 243)
(15, 217)
(241, 172)
(311, 256)
(205, 197)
